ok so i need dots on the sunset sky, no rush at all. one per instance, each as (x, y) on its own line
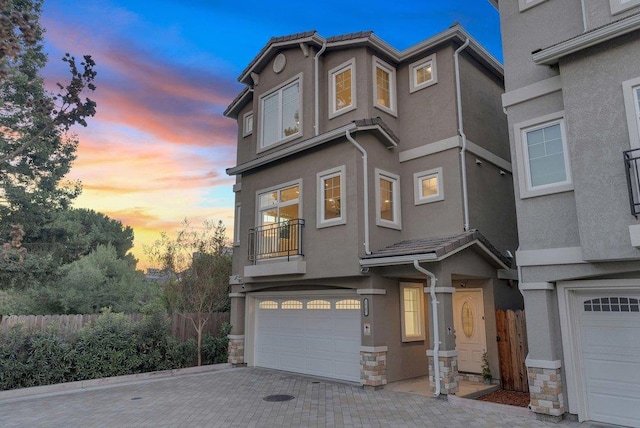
(157, 149)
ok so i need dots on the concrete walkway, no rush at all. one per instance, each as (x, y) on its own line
(234, 398)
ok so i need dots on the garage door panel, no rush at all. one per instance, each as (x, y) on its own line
(615, 409)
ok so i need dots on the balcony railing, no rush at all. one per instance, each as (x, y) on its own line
(276, 240)
(632, 165)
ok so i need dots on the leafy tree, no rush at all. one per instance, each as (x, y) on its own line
(203, 266)
(36, 150)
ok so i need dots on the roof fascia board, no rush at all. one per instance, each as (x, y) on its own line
(232, 110)
(379, 128)
(246, 76)
(552, 55)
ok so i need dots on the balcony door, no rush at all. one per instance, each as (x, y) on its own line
(277, 210)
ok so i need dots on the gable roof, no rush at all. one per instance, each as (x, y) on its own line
(434, 249)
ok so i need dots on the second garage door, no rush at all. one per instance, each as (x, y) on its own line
(318, 336)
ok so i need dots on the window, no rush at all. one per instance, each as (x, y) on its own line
(423, 73)
(384, 86)
(279, 205)
(412, 312)
(236, 226)
(612, 304)
(631, 92)
(348, 304)
(280, 116)
(387, 199)
(268, 304)
(618, 6)
(526, 4)
(331, 197)
(541, 149)
(247, 124)
(427, 186)
(292, 304)
(319, 304)
(342, 96)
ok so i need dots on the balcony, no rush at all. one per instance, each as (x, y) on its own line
(632, 165)
(280, 240)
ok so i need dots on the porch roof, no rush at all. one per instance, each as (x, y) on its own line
(434, 249)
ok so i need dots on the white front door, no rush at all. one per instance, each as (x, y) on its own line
(468, 322)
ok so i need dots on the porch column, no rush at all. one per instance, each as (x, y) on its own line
(447, 354)
(544, 366)
(236, 318)
(373, 351)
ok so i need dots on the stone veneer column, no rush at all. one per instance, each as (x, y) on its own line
(236, 318)
(545, 388)
(373, 366)
(236, 350)
(448, 364)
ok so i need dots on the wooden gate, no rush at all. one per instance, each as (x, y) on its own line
(512, 349)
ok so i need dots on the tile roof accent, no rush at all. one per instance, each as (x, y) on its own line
(377, 121)
(235, 104)
(440, 246)
(350, 36)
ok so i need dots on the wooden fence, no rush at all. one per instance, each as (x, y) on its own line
(512, 349)
(181, 327)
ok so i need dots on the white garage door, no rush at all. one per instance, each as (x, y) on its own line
(609, 326)
(318, 336)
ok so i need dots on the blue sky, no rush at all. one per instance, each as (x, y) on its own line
(157, 149)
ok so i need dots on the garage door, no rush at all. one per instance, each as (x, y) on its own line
(318, 336)
(609, 326)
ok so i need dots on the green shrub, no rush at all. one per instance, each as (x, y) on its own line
(215, 348)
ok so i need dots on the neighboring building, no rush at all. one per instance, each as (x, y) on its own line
(348, 172)
(572, 71)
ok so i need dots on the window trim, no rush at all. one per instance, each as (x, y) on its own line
(414, 86)
(236, 225)
(417, 186)
(290, 82)
(421, 312)
(528, 4)
(351, 64)
(321, 222)
(378, 63)
(618, 7)
(397, 212)
(247, 118)
(522, 155)
(260, 192)
(629, 89)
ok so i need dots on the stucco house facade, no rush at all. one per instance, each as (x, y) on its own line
(572, 80)
(375, 217)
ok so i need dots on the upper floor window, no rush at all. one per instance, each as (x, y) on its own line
(331, 197)
(427, 186)
(236, 226)
(631, 92)
(423, 73)
(384, 86)
(542, 153)
(247, 124)
(387, 199)
(618, 6)
(342, 96)
(278, 205)
(280, 113)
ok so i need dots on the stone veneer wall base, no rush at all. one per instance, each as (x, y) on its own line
(373, 368)
(236, 351)
(545, 388)
(448, 375)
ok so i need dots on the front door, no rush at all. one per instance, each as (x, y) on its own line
(468, 322)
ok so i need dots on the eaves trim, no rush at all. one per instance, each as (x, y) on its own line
(553, 54)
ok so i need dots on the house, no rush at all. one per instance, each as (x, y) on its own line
(374, 212)
(572, 78)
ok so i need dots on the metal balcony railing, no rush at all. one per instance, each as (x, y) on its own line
(632, 165)
(282, 239)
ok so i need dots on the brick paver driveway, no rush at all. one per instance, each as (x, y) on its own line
(234, 398)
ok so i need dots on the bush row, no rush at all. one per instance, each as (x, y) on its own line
(111, 346)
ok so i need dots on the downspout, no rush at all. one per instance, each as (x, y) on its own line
(434, 316)
(365, 184)
(463, 151)
(317, 89)
(584, 16)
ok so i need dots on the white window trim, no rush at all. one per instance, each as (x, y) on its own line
(321, 176)
(631, 107)
(378, 63)
(395, 179)
(619, 6)
(422, 335)
(351, 64)
(297, 182)
(261, 146)
(528, 4)
(417, 186)
(524, 180)
(247, 118)
(413, 85)
(236, 226)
